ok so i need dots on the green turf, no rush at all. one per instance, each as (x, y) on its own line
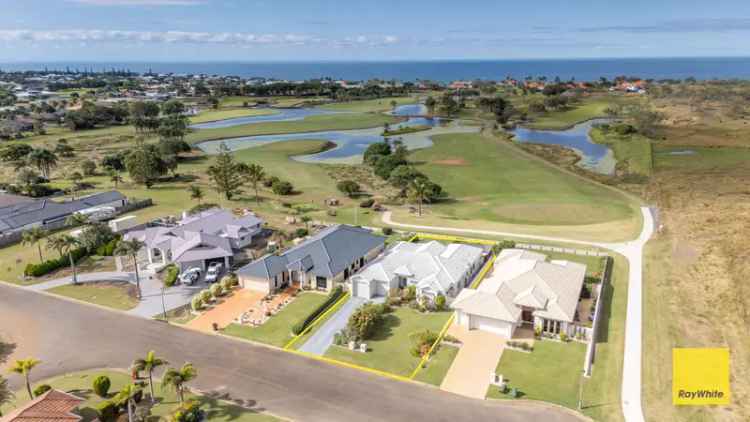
(369, 106)
(111, 295)
(277, 331)
(489, 179)
(632, 152)
(565, 118)
(702, 158)
(551, 372)
(79, 384)
(309, 124)
(438, 365)
(594, 264)
(221, 114)
(388, 350)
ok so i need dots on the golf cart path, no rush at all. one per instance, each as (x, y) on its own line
(633, 253)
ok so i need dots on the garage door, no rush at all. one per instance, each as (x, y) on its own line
(502, 328)
(361, 289)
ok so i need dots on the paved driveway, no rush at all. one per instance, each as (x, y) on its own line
(323, 338)
(469, 375)
(67, 336)
(226, 312)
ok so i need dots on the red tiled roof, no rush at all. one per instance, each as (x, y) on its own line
(52, 406)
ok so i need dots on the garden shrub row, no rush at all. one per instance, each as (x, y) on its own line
(336, 294)
(46, 267)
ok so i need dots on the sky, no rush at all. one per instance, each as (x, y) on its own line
(355, 30)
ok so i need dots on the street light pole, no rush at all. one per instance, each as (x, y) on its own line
(163, 305)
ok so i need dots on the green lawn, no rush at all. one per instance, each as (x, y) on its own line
(701, 159)
(552, 372)
(594, 264)
(79, 384)
(438, 365)
(578, 113)
(221, 114)
(632, 152)
(489, 179)
(309, 124)
(369, 106)
(388, 350)
(277, 331)
(112, 295)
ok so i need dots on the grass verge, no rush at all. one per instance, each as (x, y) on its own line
(110, 294)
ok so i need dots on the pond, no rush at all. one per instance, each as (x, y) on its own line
(595, 157)
(281, 115)
(350, 144)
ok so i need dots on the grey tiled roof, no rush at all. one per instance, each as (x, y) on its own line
(45, 210)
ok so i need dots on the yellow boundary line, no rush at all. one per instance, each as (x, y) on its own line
(451, 238)
(351, 365)
(316, 320)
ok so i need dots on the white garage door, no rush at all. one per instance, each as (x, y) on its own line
(361, 289)
(490, 325)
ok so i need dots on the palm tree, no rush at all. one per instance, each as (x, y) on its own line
(255, 175)
(419, 190)
(177, 379)
(127, 396)
(56, 243)
(23, 367)
(44, 160)
(66, 244)
(148, 364)
(34, 236)
(114, 177)
(76, 219)
(130, 248)
(196, 192)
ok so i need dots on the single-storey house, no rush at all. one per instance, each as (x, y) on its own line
(50, 214)
(523, 290)
(324, 260)
(434, 268)
(54, 405)
(199, 239)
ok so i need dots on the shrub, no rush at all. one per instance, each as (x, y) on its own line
(108, 249)
(586, 292)
(591, 279)
(563, 336)
(205, 295)
(300, 232)
(367, 203)
(503, 244)
(421, 342)
(101, 385)
(409, 293)
(348, 187)
(333, 297)
(46, 267)
(228, 282)
(298, 328)
(387, 231)
(440, 302)
(202, 207)
(394, 301)
(190, 411)
(216, 290)
(538, 332)
(282, 188)
(364, 320)
(88, 167)
(197, 302)
(269, 181)
(107, 411)
(170, 275)
(514, 393)
(41, 389)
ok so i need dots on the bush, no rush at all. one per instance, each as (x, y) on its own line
(216, 290)
(300, 232)
(282, 188)
(46, 267)
(101, 385)
(409, 293)
(387, 231)
(190, 411)
(421, 342)
(514, 393)
(170, 275)
(591, 279)
(202, 207)
(88, 167)
(107, 411)
(333, 297)
(364, 320)
(108, 249)
(503, 244)
(440, 302)
(348, 187)
(196, 303)
(41, 389)
(394, 301)
(205, 295)
(228, 282)
(269, 181)
(563, 337)
(298, 328)
(367, 203)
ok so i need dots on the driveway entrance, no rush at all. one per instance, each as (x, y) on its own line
(227, 311)
(480, 352)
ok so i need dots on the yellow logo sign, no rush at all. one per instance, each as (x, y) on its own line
(700, 376)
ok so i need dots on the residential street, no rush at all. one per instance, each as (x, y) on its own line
(68, 336)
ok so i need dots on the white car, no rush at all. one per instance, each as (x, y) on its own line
(214, 271)
(190, 275)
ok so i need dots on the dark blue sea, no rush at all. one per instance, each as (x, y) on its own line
(444, 71)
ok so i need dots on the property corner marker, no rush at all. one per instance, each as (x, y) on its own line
(700, 377)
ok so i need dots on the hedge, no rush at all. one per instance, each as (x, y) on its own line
(334, 296)
(170, 276)
(108, 249)
(46, 267)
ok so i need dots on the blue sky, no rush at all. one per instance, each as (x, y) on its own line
(289, 30)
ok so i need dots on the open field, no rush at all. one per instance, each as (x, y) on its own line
(119, 296)
(388, 350)
(230, 113)
(79, 384)
(691, 158)
(488, 179)
(589, 108)
(369, 106)
(632, 152)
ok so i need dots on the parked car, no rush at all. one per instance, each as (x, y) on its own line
(190, 275)
(213, 272)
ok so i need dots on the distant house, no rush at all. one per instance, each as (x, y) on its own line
(434, 268)
(324, 260)
(52, 406)
(50, 214)
(200, 239)
(460, 85)
(523, 291)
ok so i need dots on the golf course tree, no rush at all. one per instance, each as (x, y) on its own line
(23, 367)
(349, 188)
(419, 190)
(34, 236)
(255, 175)
(148, 364)
(430, 103)
(196, 192)
(177, 379)
(227, 175)
(144, 116)
(44, 160)
(130, 248)
(145, 164)
(65, 244)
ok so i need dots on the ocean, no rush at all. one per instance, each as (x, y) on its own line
(702, 68)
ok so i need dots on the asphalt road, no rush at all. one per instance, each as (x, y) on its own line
(68, 336)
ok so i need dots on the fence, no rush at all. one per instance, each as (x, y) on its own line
(570, 251)
(591, 349)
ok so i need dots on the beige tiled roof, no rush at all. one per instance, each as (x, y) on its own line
(52, 406)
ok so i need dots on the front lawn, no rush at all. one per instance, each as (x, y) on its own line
(79, 384)
(438, 365)
(552, 372)
(388, 350)
(110, 294)
(277, 331)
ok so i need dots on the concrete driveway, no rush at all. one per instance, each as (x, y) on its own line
(323, 338)
(469, 375)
